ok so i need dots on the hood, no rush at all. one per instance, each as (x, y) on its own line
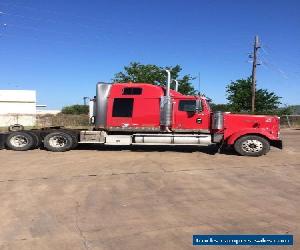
(245, 121)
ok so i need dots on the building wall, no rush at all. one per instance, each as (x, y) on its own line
(17, 106)
(10, 119)
(47, 112)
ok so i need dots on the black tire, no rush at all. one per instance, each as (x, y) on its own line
(252, 145)
(36, 138)
(16, 127)
(58, 142)
(20, 141)
(75, 138)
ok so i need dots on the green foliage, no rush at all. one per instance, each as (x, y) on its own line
(75, 109)
(286, 110)
(239, 96)
(295, 109)
(219, 107)
(150, 73)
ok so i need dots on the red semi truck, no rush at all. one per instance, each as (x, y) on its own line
(145, 114)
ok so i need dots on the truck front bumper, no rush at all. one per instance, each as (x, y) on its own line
(277, 144)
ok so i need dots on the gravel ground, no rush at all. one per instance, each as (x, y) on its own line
(146, 198)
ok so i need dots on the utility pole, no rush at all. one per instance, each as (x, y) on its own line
(255, 49)
(85, 100)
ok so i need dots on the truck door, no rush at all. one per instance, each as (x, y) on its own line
(189, 115)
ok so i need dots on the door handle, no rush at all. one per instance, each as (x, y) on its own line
(199, 120)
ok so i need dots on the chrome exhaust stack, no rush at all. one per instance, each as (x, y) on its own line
(168, 82)
(166, 106)
(92, 110)
(176, 85)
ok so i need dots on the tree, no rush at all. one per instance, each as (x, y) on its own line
(295, 109)
(150, 73)
(219, 107)
(239, 97)
(75, 109)
(286, 110)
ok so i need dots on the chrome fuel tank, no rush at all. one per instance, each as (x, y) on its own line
(218, 120)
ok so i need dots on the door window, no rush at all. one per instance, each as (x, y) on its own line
(187, 105)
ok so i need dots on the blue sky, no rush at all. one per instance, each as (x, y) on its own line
(63, 48)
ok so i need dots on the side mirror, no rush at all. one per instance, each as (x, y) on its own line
(198, 106)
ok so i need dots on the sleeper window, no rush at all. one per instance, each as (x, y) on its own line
(122, 107)
(132, 91)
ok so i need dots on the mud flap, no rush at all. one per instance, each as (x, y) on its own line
(2, 141)
(277, 144)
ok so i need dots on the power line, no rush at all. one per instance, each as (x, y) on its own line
(98, 32)
(72, 15)
(272, 66)
(55, 21)
(269, 52)
(67, 35)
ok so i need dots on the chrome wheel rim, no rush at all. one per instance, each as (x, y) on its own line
(57, 141)
(18, 141)
(252, 146)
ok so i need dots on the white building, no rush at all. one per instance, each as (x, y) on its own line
(47, 111)
(17, 107)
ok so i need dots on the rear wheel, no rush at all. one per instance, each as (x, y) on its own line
(20, 141)
(58, 142)
(36, 139)
(74, 139)
(252, 145)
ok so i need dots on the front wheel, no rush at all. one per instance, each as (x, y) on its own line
(58, 142)
(252, 145)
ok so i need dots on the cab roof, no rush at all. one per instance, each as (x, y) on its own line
(149, 90)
